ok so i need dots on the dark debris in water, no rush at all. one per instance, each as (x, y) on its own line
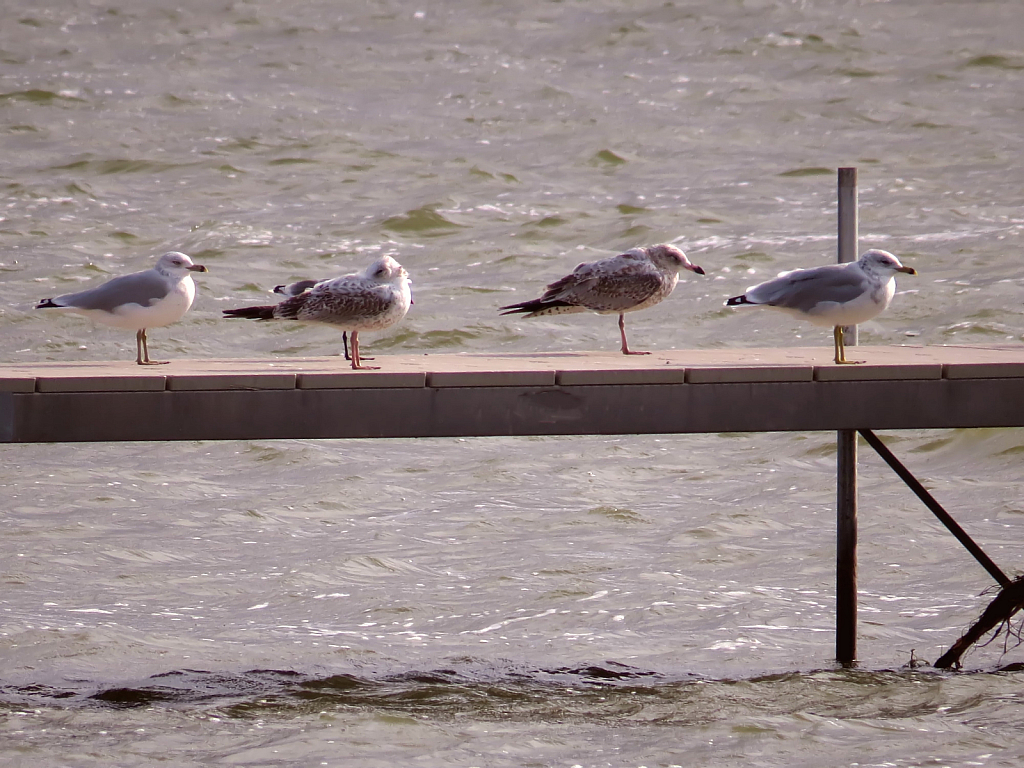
(254, 690)
(126, 698)
(997, 615)
(611, 671)
(608, 690)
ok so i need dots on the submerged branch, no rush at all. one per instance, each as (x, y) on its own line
(1009, 600)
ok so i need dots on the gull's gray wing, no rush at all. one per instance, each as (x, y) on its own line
(294, 289)
(609, 285)
(803, 289)
(142, 288)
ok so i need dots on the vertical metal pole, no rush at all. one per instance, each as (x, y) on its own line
(846, 457)
(848, 234)
(846, 546)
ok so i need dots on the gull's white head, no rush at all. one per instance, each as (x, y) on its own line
(175, 264)
(386, 270)
(882, 263)
(670, 258)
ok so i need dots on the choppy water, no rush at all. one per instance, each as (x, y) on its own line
(597, 601)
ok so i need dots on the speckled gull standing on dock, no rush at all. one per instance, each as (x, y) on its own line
(301, 286)
(836, 294)
(150, 299)
(636, 279)
(371, 300)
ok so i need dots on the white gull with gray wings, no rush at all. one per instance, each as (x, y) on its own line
(636, 279)
(836, 294)
(150, 299)
(371, 300)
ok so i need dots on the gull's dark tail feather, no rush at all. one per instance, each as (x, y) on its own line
(46, 303)
(736, 301)
(536, 305)
(251, 313)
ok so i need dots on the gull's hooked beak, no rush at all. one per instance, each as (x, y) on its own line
(198, 268)
(907, 270)
(695, 268)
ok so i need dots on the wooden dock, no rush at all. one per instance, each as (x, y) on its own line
(445, 395)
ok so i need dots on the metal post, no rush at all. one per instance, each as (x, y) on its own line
(846, 546)
(846, 457)
(848, 234)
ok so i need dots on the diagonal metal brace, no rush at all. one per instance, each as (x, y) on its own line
(935, 507)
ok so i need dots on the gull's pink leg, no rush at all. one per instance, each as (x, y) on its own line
(622, 330)
(356, 359)
(142, 350)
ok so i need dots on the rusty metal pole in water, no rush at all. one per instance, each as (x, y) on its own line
(846, 456)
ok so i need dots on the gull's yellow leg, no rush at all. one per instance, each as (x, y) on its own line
(837, 338)
(837, 335)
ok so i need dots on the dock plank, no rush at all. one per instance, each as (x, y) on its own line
(678, 391)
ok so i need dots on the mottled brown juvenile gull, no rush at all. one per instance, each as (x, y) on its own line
(371, 300)
(836, 294)
(301, 286)
(150, 299)
(636, 279)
